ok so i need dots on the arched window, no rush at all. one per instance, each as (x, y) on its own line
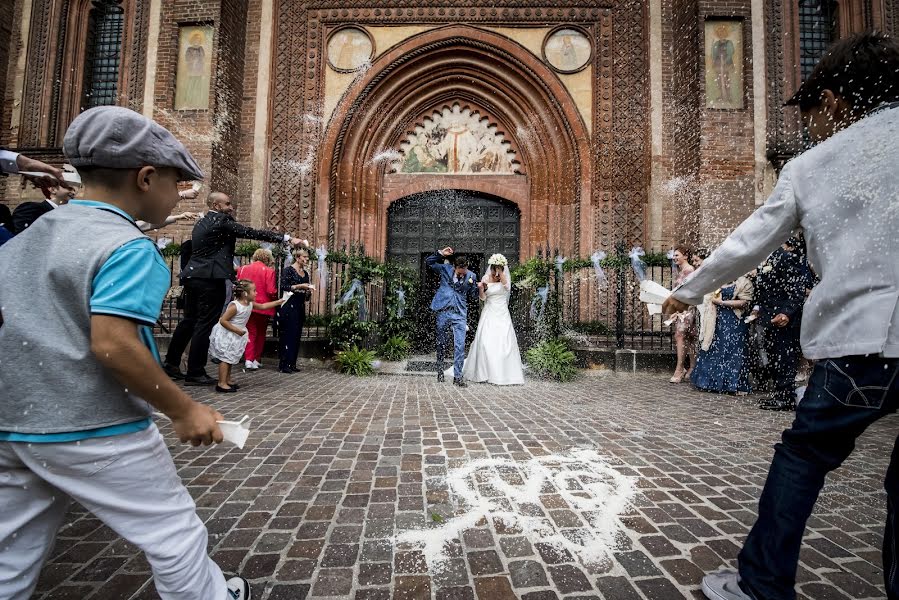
(103, 54)
(817, 31)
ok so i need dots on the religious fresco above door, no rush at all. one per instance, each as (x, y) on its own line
(567, 49)
(350, 49)
(456, 141)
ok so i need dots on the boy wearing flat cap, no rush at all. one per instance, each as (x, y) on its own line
(80, 373)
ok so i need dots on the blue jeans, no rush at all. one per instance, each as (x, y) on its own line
(843, 397)
(450, 318)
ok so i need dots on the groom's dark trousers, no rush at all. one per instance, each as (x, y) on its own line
(451, 318)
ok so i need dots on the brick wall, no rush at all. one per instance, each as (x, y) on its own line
(228, 96)
(247, 117)
(681, 114)
(727, 141)
(6, 28)
(213, 136)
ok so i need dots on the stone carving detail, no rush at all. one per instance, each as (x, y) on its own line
(457, 141)
(620, 143)
(774, 17)
(138, 48)
(37, 64)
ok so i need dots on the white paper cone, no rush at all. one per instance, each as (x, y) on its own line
(287, 296)
(654, 309)
(653, 293)
(235, 432)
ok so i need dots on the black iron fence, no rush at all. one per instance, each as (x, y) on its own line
(601, 311)
(319, 309)
(597, 314)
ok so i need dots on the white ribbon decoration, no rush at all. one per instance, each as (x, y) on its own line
(596, 258)
(321, 253)
(637, 263)
(356, 289)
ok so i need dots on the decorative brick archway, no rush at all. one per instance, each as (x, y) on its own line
(480, 70)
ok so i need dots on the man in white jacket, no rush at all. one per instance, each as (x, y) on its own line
(844, 193)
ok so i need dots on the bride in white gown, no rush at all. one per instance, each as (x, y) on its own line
(494, 356)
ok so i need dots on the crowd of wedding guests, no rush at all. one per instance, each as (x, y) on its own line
(227, 309)
(745, 335)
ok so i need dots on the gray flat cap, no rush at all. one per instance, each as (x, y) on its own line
(115, 137)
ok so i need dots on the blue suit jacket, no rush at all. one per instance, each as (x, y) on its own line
(451, 294)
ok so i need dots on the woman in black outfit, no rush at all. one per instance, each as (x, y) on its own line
(294, 278)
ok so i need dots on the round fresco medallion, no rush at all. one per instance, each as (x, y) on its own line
(567, 49)
(350, 49)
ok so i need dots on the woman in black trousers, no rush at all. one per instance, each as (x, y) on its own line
(294, 278)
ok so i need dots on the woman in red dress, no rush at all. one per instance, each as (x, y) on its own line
(262, 273)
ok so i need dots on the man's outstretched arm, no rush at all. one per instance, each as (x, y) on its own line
(750, 243)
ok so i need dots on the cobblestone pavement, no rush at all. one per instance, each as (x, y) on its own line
(345, 485)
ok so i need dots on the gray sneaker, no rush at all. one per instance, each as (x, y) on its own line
(238, 588)
(724, 585)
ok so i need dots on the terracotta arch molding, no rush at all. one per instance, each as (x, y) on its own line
(486, 71)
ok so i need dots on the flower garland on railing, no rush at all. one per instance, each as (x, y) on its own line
(536, 272)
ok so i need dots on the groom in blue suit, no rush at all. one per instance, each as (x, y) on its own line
(457, 286)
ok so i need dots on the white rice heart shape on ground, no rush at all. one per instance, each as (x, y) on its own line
(587, 483)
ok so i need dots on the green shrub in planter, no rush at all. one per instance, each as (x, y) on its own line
(345, 330)
(395, 348)
(355, 361)
(552, 359)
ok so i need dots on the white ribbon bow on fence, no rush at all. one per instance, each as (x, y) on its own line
(560, 263)
(400, 303)
(321, 253)
(596, 258)
(541, 296)
(637, 263)
(356, 289)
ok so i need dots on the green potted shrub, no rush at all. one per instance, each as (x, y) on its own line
(552, 359)
(396, 348)
(355, 361)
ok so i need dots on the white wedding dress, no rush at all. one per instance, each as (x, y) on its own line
(494, 356)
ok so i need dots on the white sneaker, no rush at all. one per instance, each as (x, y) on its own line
(724, 585)
(250, 365)
(256, 364)
(238, 588)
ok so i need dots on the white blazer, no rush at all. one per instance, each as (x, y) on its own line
(844, 193)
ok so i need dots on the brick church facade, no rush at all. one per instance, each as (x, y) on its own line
(512, 125)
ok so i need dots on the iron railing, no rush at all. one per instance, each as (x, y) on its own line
(593, 315)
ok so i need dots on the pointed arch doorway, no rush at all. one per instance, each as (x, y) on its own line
(475, 224)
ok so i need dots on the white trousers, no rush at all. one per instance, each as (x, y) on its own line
(127, 481)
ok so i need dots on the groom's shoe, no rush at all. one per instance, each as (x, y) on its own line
(459, 381)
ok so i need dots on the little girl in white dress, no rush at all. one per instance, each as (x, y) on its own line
(229, 336)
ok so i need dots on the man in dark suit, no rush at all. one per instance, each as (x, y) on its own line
(780, 290)
(28, 212)
(211, 264)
